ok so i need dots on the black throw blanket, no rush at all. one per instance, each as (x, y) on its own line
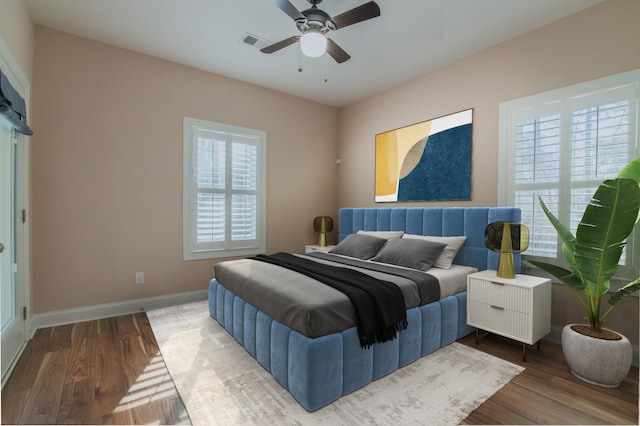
(428, 285)
(379, 305)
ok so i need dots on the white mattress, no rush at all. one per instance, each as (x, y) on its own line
(452, 280)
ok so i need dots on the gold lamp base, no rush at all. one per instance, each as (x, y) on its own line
(323, 225)
(506, 268)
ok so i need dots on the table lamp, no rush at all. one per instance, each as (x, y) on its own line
(506, 238)
(323, 225)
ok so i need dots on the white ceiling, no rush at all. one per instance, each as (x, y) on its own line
(409, 39)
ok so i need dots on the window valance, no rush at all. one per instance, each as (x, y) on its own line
(12, 106)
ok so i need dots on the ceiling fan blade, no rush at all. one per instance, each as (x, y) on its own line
(336, 52)
(357, 14)
(280, 45)
(288, 8)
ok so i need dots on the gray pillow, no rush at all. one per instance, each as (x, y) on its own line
(445, 261)
(411, 253)
(360, 246)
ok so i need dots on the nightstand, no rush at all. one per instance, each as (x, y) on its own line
(315, 247)
(518, 308)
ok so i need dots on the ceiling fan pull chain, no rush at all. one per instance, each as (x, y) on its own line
(300, 66)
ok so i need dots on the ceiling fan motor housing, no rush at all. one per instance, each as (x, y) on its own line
(315, 19)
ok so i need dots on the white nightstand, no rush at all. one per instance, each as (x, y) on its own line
(315, 247)
(518, 308)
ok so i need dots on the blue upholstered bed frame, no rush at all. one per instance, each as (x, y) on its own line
(321, 370)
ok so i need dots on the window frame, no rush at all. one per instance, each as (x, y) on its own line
(191, 249)
(564, 100)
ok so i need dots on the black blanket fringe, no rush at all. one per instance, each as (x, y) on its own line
(379, 305)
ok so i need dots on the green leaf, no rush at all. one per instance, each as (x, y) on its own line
(563, 231)
(564, 275)
(607, 222)
(571, 259)
(632, 171)
(623, 292)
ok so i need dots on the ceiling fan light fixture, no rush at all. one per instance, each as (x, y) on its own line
(313, 44)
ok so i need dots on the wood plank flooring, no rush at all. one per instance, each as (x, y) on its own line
(107, 371)
(547, 393)
(110, 371)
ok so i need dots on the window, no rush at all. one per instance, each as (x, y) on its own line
(560, 146)
(224, 190)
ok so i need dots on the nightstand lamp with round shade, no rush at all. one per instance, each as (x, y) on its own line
(506, 238)
(323, 225)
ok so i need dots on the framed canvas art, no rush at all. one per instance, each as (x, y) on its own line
(426, 161)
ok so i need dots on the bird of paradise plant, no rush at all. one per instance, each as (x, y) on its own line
(594, 252)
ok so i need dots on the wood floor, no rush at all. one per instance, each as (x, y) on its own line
(110, 371)
(547, 393)
(106, 371)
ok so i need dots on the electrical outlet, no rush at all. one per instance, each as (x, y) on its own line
(139, 277)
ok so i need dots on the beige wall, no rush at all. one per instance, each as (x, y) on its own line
(17, 31)
(107, 169)
(597, 42)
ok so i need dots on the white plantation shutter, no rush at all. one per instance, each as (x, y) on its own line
(244, 191)
(560, 146)
(224, 189)
(600, 136)
(537, 175)
(210, 161)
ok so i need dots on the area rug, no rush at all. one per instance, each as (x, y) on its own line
(222, 384)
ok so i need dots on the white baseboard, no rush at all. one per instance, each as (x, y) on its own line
(89, 313)
(7, 373)
(556, 337)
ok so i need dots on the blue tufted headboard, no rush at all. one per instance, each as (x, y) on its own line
(449, 221)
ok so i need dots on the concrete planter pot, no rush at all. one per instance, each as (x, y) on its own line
(599, 361)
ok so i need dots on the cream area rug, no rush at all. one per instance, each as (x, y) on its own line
(222, 384)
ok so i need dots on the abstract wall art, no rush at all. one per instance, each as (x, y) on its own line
(426, 161)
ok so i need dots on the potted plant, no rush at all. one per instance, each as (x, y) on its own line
(595, 354)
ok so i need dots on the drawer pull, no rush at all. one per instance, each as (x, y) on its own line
(496, 283)
(497, 307)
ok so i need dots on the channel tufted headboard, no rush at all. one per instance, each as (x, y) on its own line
(447, 221)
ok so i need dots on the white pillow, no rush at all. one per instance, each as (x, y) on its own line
(387, 235)
(450, 251)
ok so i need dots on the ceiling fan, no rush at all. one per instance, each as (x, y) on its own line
(314, 24)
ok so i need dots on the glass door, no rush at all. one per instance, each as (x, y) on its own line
(13, 323)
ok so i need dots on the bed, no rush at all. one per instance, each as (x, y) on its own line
(318, 363)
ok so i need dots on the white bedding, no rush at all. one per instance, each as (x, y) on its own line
(452, 280)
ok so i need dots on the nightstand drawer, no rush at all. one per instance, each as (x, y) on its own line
(505, 296)
(501, 321)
